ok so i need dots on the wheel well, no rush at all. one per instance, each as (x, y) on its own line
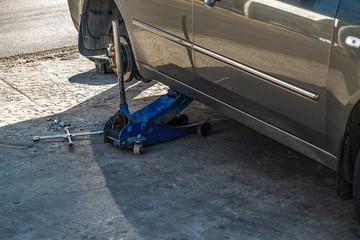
(95, 26)
(350, 149)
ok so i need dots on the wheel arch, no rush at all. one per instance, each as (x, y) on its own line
(95, 25)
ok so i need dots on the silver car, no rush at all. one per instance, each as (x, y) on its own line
(289, 69)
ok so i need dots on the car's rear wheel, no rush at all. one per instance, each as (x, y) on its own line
(350, 149)
(356, 186)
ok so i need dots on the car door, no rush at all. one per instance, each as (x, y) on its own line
(268, 58)
(158, 25)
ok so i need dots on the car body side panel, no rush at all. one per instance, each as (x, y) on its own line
(271, 131)
(344, 74)
(75, 7)
(174, 17)
(175, 76)
(285, 40)
(178, 72)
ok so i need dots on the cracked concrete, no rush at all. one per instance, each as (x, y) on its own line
(234, 184)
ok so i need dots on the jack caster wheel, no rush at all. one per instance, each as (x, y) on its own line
(138, 148)
(204, 129)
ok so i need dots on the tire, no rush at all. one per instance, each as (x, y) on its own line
(349, 155)
(356, 186)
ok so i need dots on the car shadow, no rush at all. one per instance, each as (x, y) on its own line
(233, 184)
(91, 78)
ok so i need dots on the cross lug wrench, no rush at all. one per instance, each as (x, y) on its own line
(68, 136)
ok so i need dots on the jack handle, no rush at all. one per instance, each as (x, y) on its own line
(119, 61)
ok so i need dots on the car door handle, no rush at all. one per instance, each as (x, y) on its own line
(210, 3)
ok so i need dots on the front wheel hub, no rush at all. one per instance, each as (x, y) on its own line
(127, 57)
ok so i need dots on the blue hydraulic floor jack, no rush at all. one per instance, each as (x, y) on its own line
(158, 122)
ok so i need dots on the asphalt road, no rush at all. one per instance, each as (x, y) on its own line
(29, 26)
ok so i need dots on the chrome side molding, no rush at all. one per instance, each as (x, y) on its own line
(233, 63)
(162, 33)
(258, 73)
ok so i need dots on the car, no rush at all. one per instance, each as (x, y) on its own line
(289, 69)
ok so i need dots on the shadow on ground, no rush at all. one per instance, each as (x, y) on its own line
(91, 78)
(234, 184)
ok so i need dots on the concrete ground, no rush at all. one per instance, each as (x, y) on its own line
(234, 184)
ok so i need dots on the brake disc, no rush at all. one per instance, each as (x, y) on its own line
(127, 56)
